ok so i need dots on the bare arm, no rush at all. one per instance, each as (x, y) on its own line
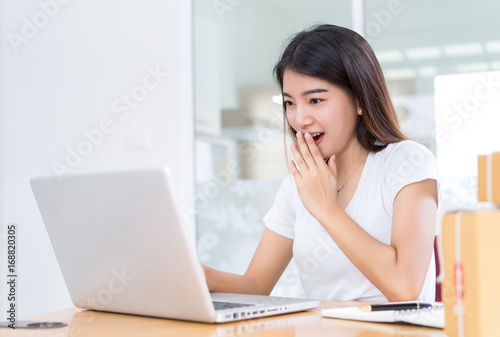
(268, 263)
(398, 270)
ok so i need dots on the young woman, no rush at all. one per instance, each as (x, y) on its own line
(358, 211)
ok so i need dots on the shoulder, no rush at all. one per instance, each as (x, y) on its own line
(288, 190)
(406, 155)
(404, 163)
(281, 217)
(406, 148)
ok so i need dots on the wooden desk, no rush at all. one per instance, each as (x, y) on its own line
(83, 323)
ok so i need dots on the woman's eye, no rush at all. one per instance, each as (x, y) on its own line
(316, 100)
(288, 103)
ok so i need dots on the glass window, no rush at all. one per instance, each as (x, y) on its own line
(415, 41)
(239, 139)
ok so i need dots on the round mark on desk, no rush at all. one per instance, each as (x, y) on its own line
(46, 325)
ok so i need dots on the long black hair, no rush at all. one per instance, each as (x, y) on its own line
(344, 58)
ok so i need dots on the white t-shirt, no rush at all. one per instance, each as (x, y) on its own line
(324, 270)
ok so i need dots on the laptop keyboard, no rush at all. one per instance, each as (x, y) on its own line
(229, 305)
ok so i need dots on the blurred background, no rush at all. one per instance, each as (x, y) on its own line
(239, 117)
(188, 84)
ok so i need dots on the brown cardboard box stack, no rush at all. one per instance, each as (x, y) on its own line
(488, 178)
(471, 255)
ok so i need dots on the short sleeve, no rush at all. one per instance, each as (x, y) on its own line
(407, 162)
(281, 217)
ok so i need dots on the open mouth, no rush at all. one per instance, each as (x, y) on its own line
(318, 136)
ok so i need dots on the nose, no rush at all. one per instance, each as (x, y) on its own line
(303, 117)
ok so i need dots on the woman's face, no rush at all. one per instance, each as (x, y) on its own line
(322, 109)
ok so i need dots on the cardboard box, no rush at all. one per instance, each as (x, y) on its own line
(471, 287)
(488, 178)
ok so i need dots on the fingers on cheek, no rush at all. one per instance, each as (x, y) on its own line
(294, 171)
(296, 153)
(294, 148)
(306, 143)
(302, 142)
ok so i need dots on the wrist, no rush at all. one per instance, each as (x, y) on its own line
(206, 271)
(329, 213)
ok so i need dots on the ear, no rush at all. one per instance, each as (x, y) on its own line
(359, 110)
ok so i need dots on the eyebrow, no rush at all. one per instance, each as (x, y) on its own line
(308, 92)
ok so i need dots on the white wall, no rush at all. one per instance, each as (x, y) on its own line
(66, 78)
(467, 119)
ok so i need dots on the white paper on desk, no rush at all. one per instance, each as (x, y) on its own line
(431, 317)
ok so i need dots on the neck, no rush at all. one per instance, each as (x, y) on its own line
(348, 159)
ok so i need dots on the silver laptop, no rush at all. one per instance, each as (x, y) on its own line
(123, 246)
